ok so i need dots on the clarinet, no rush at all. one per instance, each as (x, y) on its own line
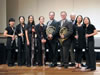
(86, 39)
(14, 31)
(43, 50)
(22, 36)
(77, 35)
(33, 46)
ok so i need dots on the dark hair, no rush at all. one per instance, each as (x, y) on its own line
(40, 17)
(77, 17)
(52, 12)
(11, 20)
(88, 19)
(33, 23)
(21, 17)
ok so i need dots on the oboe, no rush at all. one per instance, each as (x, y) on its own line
(33, 46)
(22, 36)
(14, 31)
(86, 39)
(77, 38)
(43, 50)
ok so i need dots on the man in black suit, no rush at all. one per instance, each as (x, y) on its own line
(52, 40)
(66, 43)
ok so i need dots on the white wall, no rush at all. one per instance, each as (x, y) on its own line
(2, 15)
(38, 8)
(16, 8)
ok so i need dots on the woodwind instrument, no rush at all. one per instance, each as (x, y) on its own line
(43, 50)
(86, 39)
(78, 36)
(14, 31)
(43, 46)
(33, 45)
(22, 36)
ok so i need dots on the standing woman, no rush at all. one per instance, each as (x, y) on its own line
(79, 40)
(28, 33)
(41, 36)
(20, 30)
(90, 53)
(10, 34)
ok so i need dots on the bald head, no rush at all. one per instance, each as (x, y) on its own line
(72, 16)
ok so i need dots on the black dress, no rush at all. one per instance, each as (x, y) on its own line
(41, 33)
(28, 47)
(79, 43)
(10, 46)
(90, 53)
(21, 44)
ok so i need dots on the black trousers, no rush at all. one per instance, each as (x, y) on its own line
(28, 54)
(53, 50)
(90, 55)
(72, 53)
(11, 56)
(78, 55)
(21, 53)
(40, 54)
(65, 52)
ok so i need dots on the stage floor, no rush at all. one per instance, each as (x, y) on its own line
(45, 70)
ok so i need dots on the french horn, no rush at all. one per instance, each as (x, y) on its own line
(63, 31)
(50, 30)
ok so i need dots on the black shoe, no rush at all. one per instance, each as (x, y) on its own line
(66, 66)
(73, 64)
(52, 65)
(34, 64)
(40, 64)
(83, 65)
(87, 67)
(61, 65)
(92, 69)
(28, 65)
(10, 65)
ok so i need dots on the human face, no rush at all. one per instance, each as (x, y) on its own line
(31, 19)
(79, 19)
(51, 16)
(41, 20)
(11, 23)
(63, 15)
(86, 21)
(72, 17)
(21, 20)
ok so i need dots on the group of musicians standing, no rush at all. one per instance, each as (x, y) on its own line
(32, 41)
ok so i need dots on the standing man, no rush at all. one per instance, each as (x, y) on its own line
(72, 54)
(67, 42)
(52, 39)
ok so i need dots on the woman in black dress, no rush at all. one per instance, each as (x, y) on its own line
(79, 40)
(20, 31)
(41, 37)
(90, 53)
(10, 34)
(28, 33)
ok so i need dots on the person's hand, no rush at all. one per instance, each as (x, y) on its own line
(33, 30)
(21, 34)
(50, 37)
(28, 43)
(13, 37)
(87, 35)
(62, 36)
(43, 41)
(76, 37)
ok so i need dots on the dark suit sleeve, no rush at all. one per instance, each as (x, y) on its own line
(70, 30)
